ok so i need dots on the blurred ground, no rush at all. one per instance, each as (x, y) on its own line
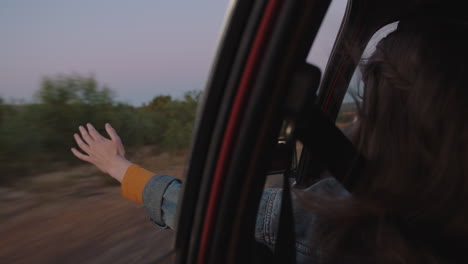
(76, 216)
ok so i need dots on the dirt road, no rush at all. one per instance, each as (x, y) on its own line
(98, 228)
(78, 220)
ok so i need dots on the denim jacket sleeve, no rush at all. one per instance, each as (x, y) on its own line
(160, 198)
(161, 193)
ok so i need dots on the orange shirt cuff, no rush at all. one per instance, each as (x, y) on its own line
(134, 182)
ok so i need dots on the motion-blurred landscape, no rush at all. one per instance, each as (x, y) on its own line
(57, 209)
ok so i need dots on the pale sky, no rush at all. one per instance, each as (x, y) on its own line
(139, 48)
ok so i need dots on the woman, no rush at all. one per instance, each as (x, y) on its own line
(410, 203)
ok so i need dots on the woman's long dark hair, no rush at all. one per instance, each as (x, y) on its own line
(411, 205)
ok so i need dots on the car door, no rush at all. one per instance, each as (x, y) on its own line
(239, 123)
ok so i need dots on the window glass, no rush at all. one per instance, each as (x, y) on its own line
(326, 36)
(138, 65)
(318, 56)
(348, 110)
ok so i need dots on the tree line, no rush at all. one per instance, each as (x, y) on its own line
(36, 134)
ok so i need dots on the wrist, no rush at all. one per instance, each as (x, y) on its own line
(118, 168)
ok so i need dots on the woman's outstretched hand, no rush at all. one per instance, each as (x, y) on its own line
(108, 155)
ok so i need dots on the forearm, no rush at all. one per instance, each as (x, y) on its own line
(134, 182)
(118, 168)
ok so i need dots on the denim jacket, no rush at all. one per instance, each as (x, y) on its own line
(161, 193)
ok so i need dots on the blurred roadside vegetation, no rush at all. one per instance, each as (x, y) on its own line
(35, 136)
(347, 114)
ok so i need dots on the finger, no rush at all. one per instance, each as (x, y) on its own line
(80, 155)
(81, 143)
(85, 135)
(116, 139)
(111, 132)
(93, 132)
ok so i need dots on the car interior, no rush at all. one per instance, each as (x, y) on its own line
(261, 99)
